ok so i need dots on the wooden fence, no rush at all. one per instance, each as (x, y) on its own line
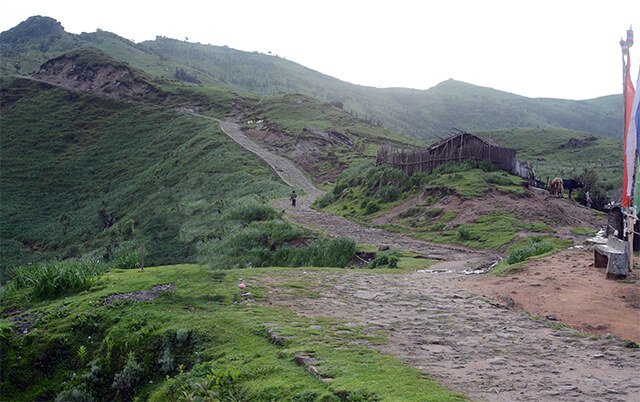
(463, 146)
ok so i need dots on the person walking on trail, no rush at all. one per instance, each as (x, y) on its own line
(293, 198)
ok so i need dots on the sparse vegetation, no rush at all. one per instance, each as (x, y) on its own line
(583, 231)
(526, 248)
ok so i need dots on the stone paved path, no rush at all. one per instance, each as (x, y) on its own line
(473, 345)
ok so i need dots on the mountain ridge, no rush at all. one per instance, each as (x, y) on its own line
(420, 114)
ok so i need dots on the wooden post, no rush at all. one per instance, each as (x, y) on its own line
(142, 258)
(630, 226)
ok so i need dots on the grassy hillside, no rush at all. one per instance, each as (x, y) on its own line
(25, 47)
(468, 203)
(565, 153)
(416, 113)
(82, 173)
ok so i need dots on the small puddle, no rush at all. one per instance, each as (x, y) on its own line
(435, 271)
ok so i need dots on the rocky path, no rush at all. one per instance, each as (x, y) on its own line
(481, 348)
(473, 345)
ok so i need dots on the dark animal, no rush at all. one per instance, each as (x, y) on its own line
(571, 184)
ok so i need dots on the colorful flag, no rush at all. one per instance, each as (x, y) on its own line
(630, 140)
(633, 129)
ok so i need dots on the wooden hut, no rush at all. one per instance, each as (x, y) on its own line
(458, 147)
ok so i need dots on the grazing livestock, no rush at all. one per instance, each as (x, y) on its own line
(571, 184)
(556, 187)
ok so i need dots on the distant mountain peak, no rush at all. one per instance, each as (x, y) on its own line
(33, 28)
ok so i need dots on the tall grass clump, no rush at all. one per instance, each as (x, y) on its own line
(320, 253)
(49, 280)
(249, 209)
(254, 237)
(126, 256)
(352, 176)
(534, 246)
(263, 244)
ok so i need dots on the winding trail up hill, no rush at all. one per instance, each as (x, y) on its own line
(338, 226)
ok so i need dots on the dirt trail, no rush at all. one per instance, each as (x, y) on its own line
(481, 348)
(340, 227)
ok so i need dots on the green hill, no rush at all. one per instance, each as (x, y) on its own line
(421, 114)
(84, 172)
(81, 173)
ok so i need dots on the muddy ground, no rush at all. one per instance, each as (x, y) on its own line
(567, 286)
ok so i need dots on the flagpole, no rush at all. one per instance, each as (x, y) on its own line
(630, 214)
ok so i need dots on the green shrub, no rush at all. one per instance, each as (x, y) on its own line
(419, 179)
(360, 396)
(166, 361)
(77, 394)
(352, 176)
(464, 233)
(381, 176)
(387, 259)
(326, 200)
(389, 193)
(249, 209)
(535, 246)
(219, 385)
(371, 207)
(125, 382)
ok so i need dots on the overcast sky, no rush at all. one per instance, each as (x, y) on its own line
(540, 48)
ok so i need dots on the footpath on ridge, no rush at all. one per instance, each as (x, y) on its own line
(484, 349)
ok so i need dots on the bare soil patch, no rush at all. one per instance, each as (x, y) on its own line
(313, 153)
(142, 295)
(567, 287)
